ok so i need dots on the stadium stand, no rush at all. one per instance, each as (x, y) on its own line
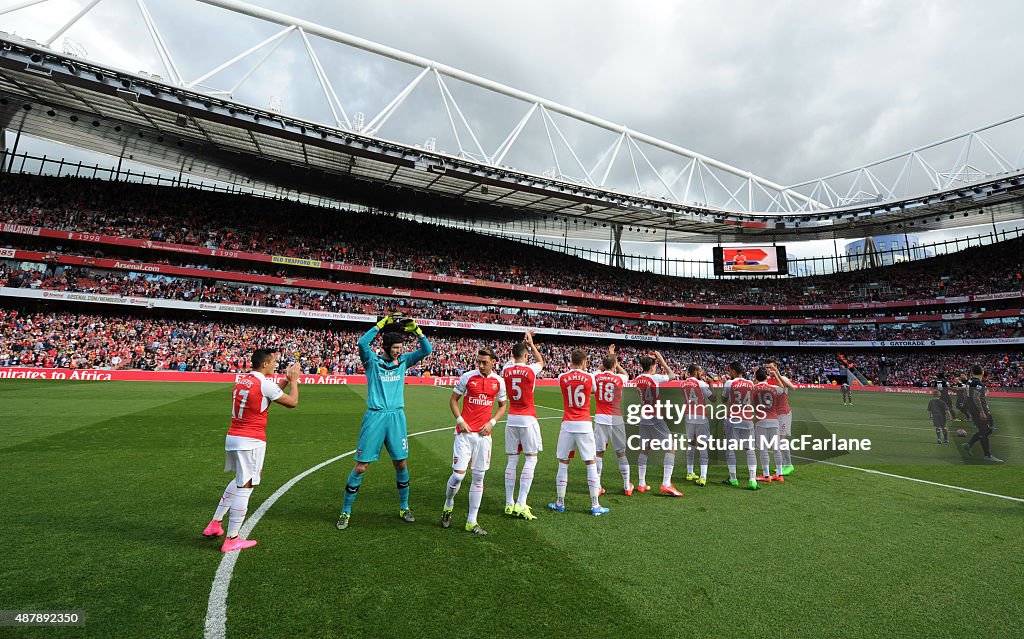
(169, 221)
(243, 223)
(162, 287)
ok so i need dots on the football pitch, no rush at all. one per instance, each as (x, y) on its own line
(106, 487)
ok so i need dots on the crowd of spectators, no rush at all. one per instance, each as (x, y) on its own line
(80, 341)
(244, 223)
(85, 280)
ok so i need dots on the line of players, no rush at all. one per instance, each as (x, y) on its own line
(473, 402)
(481, 389)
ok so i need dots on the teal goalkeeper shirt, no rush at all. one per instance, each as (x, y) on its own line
(385, 381)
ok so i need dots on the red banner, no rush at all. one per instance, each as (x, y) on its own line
(101, 375)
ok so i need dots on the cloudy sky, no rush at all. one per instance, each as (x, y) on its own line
(789, 90)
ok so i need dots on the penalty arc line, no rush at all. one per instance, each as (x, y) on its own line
(217, 607)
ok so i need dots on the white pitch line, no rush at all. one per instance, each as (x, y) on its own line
(948, 426)
(217, 607)
(914, 479)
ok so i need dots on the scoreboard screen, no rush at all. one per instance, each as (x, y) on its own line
(750, 260)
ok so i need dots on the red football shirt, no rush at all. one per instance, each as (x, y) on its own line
(608, 390)
(250, 400)
(767, 397)
(782, 403)
(577, 386)
(520, 380)
(478, 396)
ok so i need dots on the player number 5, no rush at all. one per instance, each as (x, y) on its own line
(517, 393)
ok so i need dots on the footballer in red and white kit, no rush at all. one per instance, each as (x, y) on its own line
(785, 413)
(609, 426)
(738, 395)
(479, 390)
(653, 428)
(766, 427)
(697, 394)
(522, 430)
(245, 446)
(577, 432)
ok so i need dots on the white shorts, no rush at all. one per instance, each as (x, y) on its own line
(471, 447)
(522, 434)
(247, 465)
(697, 429)
(609, 428)
(582, 443)
(656, 429)
(764, 431)
(740, 431)
(786, 425)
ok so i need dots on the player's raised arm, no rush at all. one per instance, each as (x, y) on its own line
(710, 394)
(664, 366)
(618, 365)
(537, 357)
(366, 341)
(774, 370)
(411, 359)
(291, 378)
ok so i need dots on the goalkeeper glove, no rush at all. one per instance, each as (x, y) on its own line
(411, 327)
(387, 319)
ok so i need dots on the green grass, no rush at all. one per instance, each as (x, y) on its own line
(107, 485)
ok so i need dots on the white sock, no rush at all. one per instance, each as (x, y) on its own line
(624, 470)
(561, 480)
(600, 466)
(476, 493)
(641, 468)
(752, 463)
(225, 501)
(526, 479)
(704, 463)
(454, 483)
(510, 479)
(669, 464)
(730, 461)
(765, 462)
(239, 506)
(594, 483)
(689, 460)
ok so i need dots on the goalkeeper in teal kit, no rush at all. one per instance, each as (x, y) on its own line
(384, 421)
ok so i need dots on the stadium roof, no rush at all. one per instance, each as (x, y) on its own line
(63, 98)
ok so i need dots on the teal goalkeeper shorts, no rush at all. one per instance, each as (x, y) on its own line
(382, 428)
